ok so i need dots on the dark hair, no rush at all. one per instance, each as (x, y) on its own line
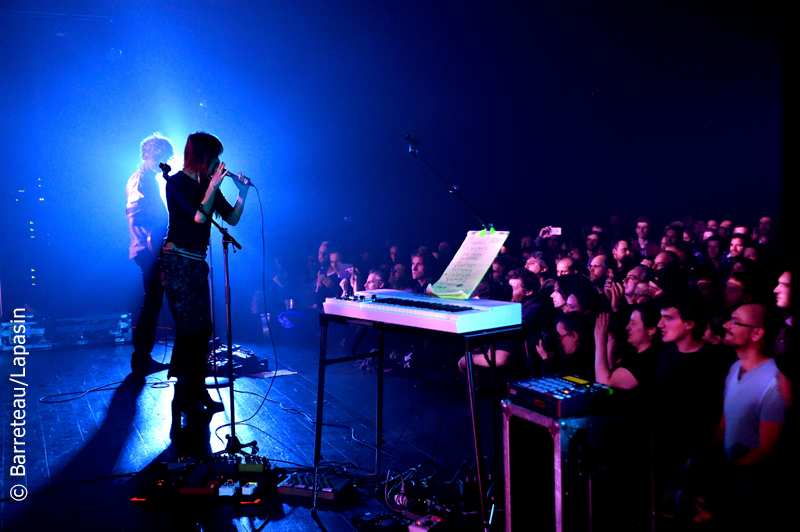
(715, 238)
(568, 284)
(751, 282)
(615, 244)
(749, 265)
(651, 313)
(507, 262)
(674, 227)
(482, 290)
(761, 251)
(530, 281)
(425, 254)
(400, 253)
(691, 307)
(609, 262)
(587, 299)
(746, 240)
(200, 149)
(577, 322)
(431, 264)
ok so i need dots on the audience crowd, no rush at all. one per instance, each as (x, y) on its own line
(694, 320)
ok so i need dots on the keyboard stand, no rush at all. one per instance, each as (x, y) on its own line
(471, 341)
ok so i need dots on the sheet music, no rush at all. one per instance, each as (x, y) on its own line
(470, 264)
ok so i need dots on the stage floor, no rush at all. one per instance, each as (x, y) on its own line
(89, 426)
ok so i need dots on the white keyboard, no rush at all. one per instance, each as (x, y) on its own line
(426, 312)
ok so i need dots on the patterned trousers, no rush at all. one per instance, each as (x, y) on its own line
(185, 283)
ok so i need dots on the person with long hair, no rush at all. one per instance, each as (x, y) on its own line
(193, 196)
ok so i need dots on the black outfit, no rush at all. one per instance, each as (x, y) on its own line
(323, 292)
(144, 335)
(147, 221)
(184, 276)
(524, 361)
(547, 288)
(686, 406)
(643, 368)
(417, 288)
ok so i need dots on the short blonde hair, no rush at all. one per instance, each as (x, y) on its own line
(157, 147)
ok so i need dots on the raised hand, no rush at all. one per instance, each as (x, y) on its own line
(617, 293)
(601, 329)
(542, 351)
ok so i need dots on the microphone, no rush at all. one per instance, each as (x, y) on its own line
(165, 167)
(413, 144)
(244, 178)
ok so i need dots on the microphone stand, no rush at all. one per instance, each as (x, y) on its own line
(413, 149)
(213, 346)
(233, 446)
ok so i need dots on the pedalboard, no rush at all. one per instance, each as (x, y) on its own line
(223, 478)
(302, 485)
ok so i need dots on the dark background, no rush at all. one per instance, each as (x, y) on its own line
(542, 112)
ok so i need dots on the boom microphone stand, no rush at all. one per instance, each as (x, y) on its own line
(413, 149)
(234, 446)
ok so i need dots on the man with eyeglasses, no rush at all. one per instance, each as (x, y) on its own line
(639, 274)
(750, 428)
(398, 277)
(754, 412)
(540, 268)
(642, 293)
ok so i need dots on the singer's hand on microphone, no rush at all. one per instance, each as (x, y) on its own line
(219, 175)
(241, 182)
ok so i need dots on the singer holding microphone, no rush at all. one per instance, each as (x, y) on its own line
(193, 196)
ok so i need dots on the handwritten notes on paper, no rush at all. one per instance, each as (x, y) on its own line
(470, 264)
